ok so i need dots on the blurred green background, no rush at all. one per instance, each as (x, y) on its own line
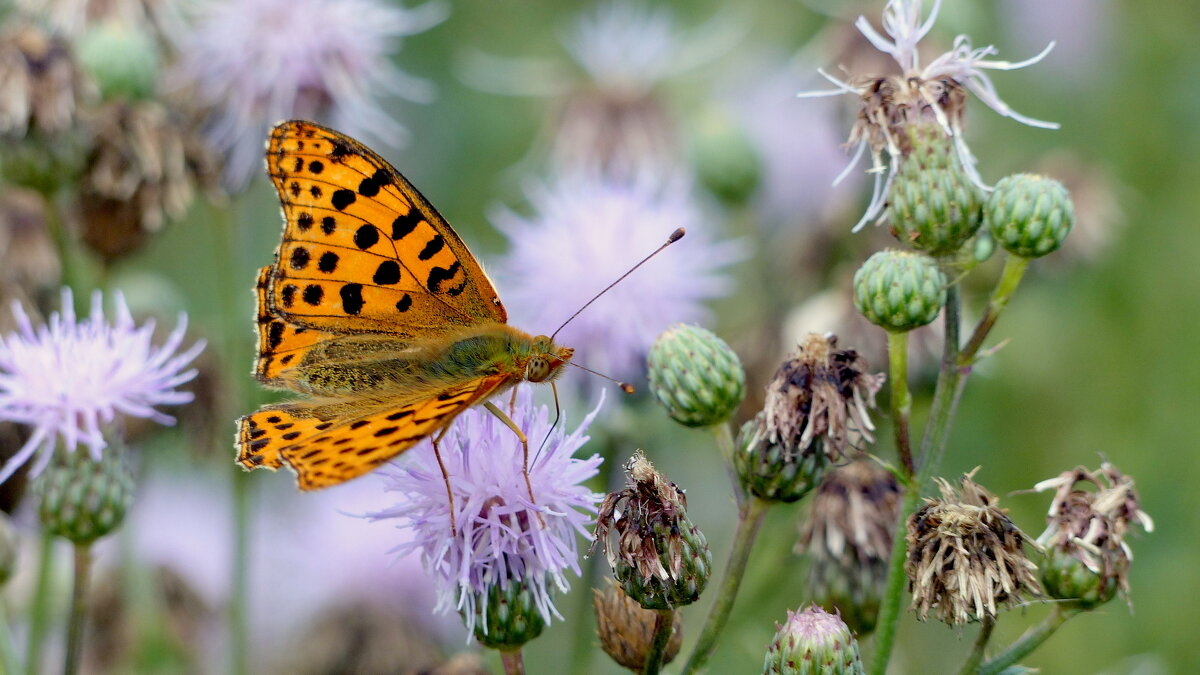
(1097, 365)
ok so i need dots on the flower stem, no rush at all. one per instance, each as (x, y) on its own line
(514, 662)
(750, 517)
(1031, 640)
(889, 608)
(945, 399)
(985, 633)
(9, 661)
(1014, 269)
(727, 446)
(901, 398)
(78, 616)
(40, 613)
(664, 625)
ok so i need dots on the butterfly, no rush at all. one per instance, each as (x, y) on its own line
(377, 312)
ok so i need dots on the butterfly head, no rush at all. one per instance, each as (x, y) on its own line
(546, 359)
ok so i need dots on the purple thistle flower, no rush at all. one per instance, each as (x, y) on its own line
(68, 379)
(500, 534)
(963, 65)
(585, 231)
(256, 62)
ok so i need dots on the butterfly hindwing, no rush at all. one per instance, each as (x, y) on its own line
(281, 345)
(362, 250)
(352, 447)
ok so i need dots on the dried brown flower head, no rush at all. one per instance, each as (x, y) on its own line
(365, 636)
(626, 630)
(660, 558)
(1091, 513)
(28, 257)
(848, 539)
(40, 83)
(965, 556)
(144, 169)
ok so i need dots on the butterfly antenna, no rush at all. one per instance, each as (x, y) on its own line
(625, 386)
(675, 236)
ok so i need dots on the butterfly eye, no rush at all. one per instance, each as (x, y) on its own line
(537, 369)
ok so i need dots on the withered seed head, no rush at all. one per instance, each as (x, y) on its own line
(965, 556)
(626, 630)
(660, 558)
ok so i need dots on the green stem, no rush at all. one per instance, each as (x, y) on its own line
(889, 608)
(985, 633)
(78, 616)
(1031, 640)
(937, 428)
(664, 625)
(1014, 269)
(750, 517)
(901, 398)
(9, 661)
(728, 446)
(514, 662)
(40, 613)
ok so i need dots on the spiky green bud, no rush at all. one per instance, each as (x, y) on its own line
(1029, 215)
(933, 205)
(778, 471)
(695, 375)
(1066, 577)
(899, 290)
(83, 499)
(122, 59)
(507, 616)
(726, 163)
(813, 642)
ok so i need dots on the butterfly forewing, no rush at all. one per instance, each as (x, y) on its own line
(281, 346)
(362, 250)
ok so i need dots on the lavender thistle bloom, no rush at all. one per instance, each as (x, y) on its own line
(500, 537)
(68, 379)
(255, 62)
(585, 231)
(962, 67)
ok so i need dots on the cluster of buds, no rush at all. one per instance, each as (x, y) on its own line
(1087, 558)
(965, 556)
(848, 539)
(816, 409)
(659, 557)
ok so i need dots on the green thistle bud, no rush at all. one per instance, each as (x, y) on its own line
(659, 557)
(1065, 576)
(121, 59)
(813, 642)
(507, 617)
(725, 161)
(898, 290)
(695, 375)
(933, 205)
(1029, 215)
(8, 548)
(83, 499)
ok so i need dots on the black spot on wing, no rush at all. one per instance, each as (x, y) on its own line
(328, 262)
(403, 225)
(387, 273)
(439, 276)
(352, 300)
(366, 236)
(342, 199)
(431, 249)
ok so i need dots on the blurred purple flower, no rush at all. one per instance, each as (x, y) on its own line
(963, 65)
(500, 536)
(69, 379)
(256, 62)
(585, 231)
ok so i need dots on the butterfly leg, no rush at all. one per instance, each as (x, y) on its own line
(524, 448)
(446, 477)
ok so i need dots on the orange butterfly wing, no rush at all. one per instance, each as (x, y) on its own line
(362, 250)
(325, 453)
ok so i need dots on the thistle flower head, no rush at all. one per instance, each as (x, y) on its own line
(255, 62)
(813, 642)
(934, 93)
(965, 556)
(501, 537)
(848, 540)
(588, 229)
(1091, 513)
(69, 378)
(661, 559)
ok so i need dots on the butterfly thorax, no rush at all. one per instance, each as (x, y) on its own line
(385, 365)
